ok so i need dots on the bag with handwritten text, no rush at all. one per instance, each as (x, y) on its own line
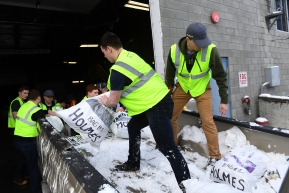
(119, 124)
(241, 168)
(90, 119)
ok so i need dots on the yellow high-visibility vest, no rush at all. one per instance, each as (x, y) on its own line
(197, 80)
(42, 106)
(25, 126)
(147, 87)
(11, 120)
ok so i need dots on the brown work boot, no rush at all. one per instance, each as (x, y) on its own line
(24, 182)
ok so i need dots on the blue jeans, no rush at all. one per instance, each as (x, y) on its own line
(28, 157)
(159, 119)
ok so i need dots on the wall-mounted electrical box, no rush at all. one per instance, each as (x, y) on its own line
(272, 75)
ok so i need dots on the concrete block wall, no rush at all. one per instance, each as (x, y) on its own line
(241, 35)
(275, 109)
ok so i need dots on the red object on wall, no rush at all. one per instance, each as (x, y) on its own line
(215, 17)
(262, 121)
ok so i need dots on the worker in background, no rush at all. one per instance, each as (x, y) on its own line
(48, 103)
(103, 87)
(91, 91)
(61, 105)
(25, 135)
(141, 90)
(194, 60)
(14, 107)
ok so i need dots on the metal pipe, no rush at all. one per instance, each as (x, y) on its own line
(263, 85)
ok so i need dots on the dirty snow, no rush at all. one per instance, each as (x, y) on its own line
(156, 176)
(274, 96)
(285, 131)
(255, 124)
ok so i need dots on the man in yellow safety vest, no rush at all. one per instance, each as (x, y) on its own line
(91, 91)
(14, 107)
(25, 135)
(48, 103)
(194, 60)
(141, 90)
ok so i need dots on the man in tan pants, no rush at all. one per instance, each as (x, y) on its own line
(194, 60)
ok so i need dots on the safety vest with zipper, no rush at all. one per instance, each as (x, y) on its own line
(197, 80)
(58, 106)
(147, 87)
(25, 126)
(42, 106)
(11, 120)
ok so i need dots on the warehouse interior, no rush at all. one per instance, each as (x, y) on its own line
(40, 48)
(40, 42)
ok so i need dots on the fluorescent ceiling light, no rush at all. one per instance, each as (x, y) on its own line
(72, 62)
(136, 7)
(81, 81)
(138, 4)
(88, 45)
(76, 81)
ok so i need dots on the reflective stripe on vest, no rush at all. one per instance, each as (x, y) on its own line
(143, 78)
(195, 76)
(11, 121)
(42, 106)
(177, 63)
(25, 120)
(195, 80)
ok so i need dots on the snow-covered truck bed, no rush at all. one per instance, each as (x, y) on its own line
(81, 169)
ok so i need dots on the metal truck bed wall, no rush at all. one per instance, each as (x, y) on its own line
(64, 168)
(265, 138)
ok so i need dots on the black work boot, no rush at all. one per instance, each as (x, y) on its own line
(126, 167)
(182, 187)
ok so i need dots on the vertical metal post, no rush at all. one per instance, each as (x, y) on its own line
(157, 36)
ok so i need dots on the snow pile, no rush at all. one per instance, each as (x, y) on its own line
(156, 176)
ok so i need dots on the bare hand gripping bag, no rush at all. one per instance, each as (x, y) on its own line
(90, 118)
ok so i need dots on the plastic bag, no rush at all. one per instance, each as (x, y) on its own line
(55, 122)
(241, 168)
(119, 124)
(90, 119)
(196, 186)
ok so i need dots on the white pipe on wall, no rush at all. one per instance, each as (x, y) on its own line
(157, 36)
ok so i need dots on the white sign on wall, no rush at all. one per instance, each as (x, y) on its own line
(243, 79)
